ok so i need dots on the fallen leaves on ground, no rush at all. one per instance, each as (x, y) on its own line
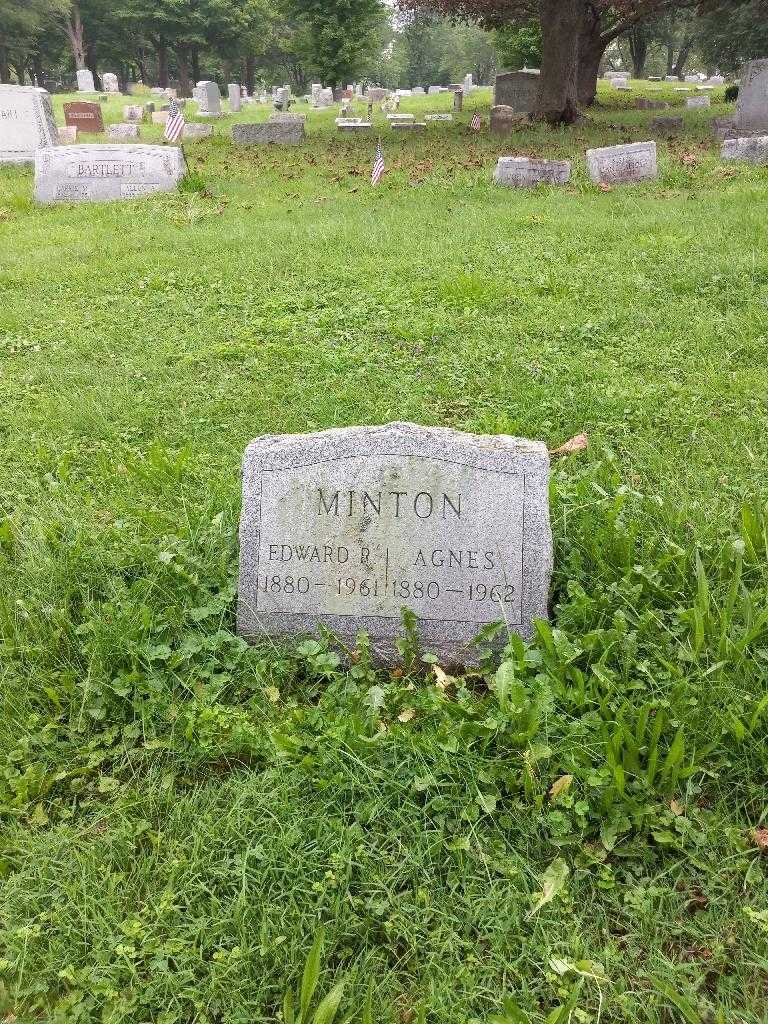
(577, 443)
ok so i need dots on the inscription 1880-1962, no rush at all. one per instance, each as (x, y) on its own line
(347, 527)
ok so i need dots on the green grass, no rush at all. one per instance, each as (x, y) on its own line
(181, 813)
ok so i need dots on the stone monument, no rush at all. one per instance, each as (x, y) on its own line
(523, 172)
(97, 173)
(345, 528)
(85, 116)
(85, 81)
(518, 90)
(752, 104)
(235, 98)
(618, 165)
(26, 123)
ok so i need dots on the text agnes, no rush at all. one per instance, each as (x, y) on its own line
(397, 504)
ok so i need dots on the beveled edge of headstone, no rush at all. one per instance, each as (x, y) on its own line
(399, 439)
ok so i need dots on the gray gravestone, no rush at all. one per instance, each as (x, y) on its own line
(26, 123)
(752, 105)
(518, 90)
(133, 112)
(99, 173)
(618, 165)
(523, 172)
(344, 528)
(469, 84)
(285, 133)
(419, 91)
(67, 135)
(85, 81)
(129, 130)
(110, 83)
(192, 132)
(458, 101)
(353, 124)
(504, 120)
(697, 102)
(208, 99)
(751, 150)
(436, 118)
(235, 98)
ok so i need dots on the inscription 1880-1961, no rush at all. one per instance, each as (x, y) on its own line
(347, 527)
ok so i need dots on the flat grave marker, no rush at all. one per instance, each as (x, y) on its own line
(620, 165)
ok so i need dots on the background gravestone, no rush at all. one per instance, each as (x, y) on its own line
(84, 116)
(282, 132)
(346, 527)
(752, 150)
(208, 99)
(752, 104)
(97, 173)
(523, 172)
(85, 82)
(235, 98)
(518, 90)
(110, 82)
(26, 123)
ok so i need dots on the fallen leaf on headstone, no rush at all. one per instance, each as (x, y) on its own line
(561, 785)
(578, 443)
(406, 715)
(760, 839)
(552, 881)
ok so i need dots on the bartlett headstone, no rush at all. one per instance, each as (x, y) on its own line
(752, 105)
(751, 151)
(617, 165)
(523, 172)
(26, 123)
(518, 90)
(84, 116)
(85, 82)
(235, 98)
(285, 133)
(98, 173)
(344, 528)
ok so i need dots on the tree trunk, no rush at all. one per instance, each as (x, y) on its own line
(195, 64)
(670, 59)
(162, 65)
(37, 69)
(73, 26)
(182, 59)
(561, 24)
(250, 74)
(638, 49)
(18, 67)
(4, 69)
(682, 57)
(591, 49)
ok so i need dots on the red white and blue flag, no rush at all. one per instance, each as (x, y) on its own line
(174, 126)
(378, 165)
(476, 123)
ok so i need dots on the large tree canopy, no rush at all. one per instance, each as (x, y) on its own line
(574, 35)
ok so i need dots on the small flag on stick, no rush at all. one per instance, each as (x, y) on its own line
(378, 165)
(476, 123)
(174, 126)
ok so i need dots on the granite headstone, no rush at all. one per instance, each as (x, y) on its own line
(26, 123)
(617, 165)
(84, 116)
(345, 528)
(98, 173)
(752, 104)
(524, 172)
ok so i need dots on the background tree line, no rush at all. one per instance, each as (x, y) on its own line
(335, 41)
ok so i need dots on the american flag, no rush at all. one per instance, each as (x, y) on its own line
(174, 126)
(378, 165)
(476, 123)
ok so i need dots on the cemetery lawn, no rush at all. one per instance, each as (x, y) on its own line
(579, 836)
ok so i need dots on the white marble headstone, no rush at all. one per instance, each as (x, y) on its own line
(617, 165)
(26, 123)
(85, 81)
